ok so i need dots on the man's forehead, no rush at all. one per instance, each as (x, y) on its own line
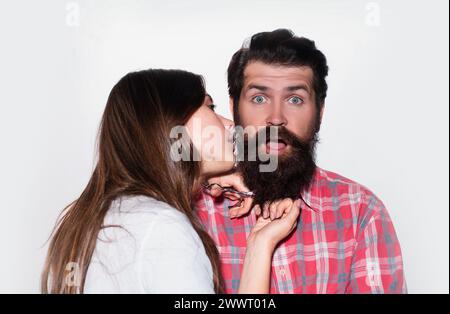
(277, 75)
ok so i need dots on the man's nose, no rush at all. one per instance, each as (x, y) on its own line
(276, 116)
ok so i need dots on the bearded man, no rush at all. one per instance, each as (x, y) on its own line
(345, 241)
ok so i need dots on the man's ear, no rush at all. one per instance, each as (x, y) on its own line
(231, 104)
(321, 111)
(322, 107)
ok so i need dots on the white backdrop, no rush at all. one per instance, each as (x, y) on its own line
(385, 125)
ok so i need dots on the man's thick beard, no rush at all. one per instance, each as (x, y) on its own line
(295, 171)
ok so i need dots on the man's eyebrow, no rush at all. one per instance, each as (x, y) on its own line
(289, 88)
(297, 87)
(258, 87)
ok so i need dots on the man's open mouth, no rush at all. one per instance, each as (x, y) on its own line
(276, 146)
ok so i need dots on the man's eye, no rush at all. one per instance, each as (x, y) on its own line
(259, 99)
(295, 100)
(212, 107)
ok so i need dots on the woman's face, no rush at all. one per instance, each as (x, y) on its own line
(212, 138)
(209, 102)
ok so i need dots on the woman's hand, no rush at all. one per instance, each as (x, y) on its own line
(235, 181)
(268, 231)
(261, 243)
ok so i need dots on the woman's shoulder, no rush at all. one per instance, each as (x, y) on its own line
(145, 216)
(143, 207)
(136, 226)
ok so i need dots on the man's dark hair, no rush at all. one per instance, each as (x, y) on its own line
(279, 47)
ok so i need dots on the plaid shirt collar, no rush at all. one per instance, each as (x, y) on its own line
(310, 195)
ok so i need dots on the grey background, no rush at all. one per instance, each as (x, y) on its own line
(385, 124)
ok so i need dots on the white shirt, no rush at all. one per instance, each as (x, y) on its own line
(156, 250)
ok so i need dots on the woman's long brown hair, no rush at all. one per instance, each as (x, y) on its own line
(133, 159)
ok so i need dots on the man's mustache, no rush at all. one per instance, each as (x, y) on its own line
(272, 133)
(294, 171)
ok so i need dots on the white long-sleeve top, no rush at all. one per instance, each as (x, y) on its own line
(152, 248)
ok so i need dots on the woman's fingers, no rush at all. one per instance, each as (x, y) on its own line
(215, 192)
(284, 207)
(277, 209)
(273, 231)
(288, 222)
(266, 211)
(245, 207)
(292, 215)
(273, 209)
(235, 181)
(257, 210)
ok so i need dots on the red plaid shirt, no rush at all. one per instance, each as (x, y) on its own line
(345, 244)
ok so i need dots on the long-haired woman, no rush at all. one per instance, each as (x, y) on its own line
(133, 229)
